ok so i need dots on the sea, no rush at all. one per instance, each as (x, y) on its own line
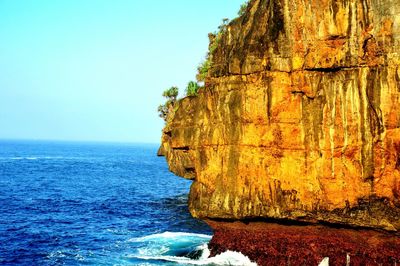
(78, 203)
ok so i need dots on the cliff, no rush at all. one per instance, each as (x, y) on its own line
(299, 119)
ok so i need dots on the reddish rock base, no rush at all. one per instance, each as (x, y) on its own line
(274, 244)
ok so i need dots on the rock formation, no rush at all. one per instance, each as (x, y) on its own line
(299, 119)
(274, 245)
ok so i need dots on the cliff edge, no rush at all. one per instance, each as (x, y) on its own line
(299, 119)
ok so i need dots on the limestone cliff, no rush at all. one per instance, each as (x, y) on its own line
(299, 118)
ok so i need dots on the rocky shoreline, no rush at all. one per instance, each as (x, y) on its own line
(282, 244)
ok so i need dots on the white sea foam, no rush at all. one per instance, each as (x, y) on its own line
(21, 158)
(169, 235)
(324, 262)
(57, 254)
(166, 247)
(227, 258)
(15, 158)
(48, 158)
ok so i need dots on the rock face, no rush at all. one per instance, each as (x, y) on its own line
(299, 118)
(299, 122)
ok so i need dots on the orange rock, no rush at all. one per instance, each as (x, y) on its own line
(300, 117)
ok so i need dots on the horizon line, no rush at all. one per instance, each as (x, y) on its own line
(81, 140)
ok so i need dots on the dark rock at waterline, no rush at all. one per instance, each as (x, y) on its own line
(161, 151)
(276, 244)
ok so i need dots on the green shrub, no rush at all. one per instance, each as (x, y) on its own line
(171, 93)
(215, 38)
(202, 70)
(192, 88)
(165, 110)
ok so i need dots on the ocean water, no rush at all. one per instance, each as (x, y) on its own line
(64, 203)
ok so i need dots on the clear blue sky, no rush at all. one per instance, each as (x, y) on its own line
(95, 69)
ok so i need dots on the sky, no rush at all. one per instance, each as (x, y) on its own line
(94, 70)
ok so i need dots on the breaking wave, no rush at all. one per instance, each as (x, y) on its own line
(33, 158)
(183, 249)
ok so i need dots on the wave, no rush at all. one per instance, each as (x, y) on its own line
(324, 262)
(227, 258)
(45, 158)
(31, 158)
(21, 158)
(166, 236)
(184, 249)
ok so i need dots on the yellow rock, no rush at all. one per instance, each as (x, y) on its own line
(307, 127)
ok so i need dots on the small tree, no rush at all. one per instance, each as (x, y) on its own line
(171, 93)
(192, 88)
(165, 109)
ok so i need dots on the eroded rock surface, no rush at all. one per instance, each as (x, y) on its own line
(300, 117)
(305, 245)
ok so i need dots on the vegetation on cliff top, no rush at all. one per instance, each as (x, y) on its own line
(215, 38)
(192, 88)
(203, 69)
(171, 95)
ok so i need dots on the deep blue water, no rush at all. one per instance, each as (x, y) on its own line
(67, 203)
